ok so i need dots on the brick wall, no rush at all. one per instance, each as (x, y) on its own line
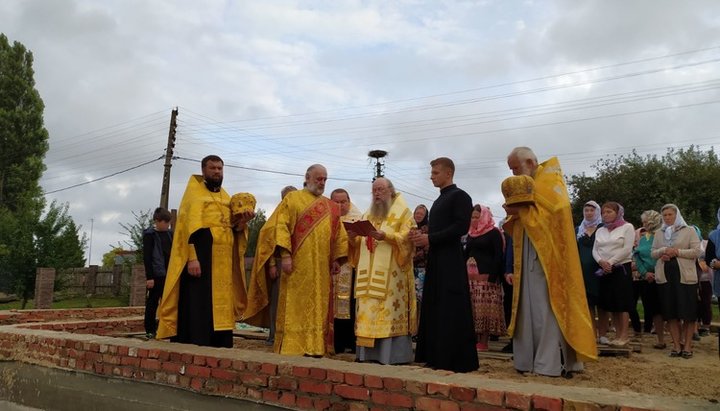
(293, 382)
(9, 317)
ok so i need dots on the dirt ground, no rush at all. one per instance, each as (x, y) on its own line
(651, 371)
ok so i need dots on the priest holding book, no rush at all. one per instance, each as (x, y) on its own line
(384, 285)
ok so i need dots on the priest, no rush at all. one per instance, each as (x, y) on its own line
(385, 284)
(204, 285)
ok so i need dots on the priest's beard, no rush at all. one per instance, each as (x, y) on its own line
(314, 188)
(213, 184)
(380, 208)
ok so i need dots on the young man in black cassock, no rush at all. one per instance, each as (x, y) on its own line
(446, 334)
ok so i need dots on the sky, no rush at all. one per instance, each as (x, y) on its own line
(275, 86)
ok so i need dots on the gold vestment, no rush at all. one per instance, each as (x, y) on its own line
(547, 221)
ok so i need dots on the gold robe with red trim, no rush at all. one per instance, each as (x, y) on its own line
(308, 226)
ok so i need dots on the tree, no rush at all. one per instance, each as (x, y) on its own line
(681, 177)
(143, 221)
(254, 227)
(58, 241)
(23, 137)
(23, 144)
(108, 259)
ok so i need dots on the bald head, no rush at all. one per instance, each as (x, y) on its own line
(522, 161)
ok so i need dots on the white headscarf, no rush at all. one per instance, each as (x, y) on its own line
(679, 223)
(589, 223)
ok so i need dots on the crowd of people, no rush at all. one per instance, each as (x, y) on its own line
(327, 278)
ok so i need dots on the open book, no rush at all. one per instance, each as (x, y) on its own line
(362, 227)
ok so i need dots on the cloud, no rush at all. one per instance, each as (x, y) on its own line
(281, 85)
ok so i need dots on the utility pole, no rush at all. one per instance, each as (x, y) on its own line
(92, 223)
(379, 156)
(165, 193)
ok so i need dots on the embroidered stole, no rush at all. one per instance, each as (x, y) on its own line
(374, 267)
(308, 220)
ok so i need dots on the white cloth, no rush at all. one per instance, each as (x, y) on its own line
(614, 246)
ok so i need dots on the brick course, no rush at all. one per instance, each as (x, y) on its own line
(77, 340)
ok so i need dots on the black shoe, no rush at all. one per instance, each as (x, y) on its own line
(508, 348)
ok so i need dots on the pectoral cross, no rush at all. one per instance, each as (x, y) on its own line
(391, 220)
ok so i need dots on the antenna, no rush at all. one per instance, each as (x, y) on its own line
(379, 156)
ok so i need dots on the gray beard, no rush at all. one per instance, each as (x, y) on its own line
(380, 209)
(313, 188)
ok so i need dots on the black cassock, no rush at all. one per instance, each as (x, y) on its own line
(195, 303)
(446, 335)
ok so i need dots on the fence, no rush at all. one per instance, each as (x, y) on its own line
(93, 280)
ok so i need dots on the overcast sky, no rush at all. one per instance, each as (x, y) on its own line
(274, 86)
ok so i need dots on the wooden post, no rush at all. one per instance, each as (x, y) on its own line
(117, 279)
(91, 279)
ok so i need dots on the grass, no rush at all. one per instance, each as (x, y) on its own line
(74, 302)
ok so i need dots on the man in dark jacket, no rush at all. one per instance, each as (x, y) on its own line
(157, 243)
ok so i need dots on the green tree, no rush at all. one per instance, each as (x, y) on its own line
(254, 227)
(23, 144)
(640, 183)
(108, 259)
(134, 231)
(58, 240)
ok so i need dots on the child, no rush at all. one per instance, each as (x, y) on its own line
(157, 243)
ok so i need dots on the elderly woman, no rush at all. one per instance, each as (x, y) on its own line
(645, 264)
(421, 216)
(677, 247)
(486, 268)
(592, 220)
(613, 252)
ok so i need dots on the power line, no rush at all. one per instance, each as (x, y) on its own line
(286, 173)
(491, 86)
(104, 177)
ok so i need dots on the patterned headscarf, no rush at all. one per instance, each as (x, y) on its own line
(619, 220)
(653, 218)
(585, 224)
(484, 224)
(669, 230)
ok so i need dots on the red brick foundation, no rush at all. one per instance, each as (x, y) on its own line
(78, 340)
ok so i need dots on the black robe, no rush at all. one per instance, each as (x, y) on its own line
(195, 303)
(446, 335)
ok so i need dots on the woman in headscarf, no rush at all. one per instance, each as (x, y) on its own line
(421, 216)
(645, 264)
(486, 268)
(712, 256)
(677, 248)
(613, 252)
(585, 241)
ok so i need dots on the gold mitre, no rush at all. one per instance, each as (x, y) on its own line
(518, 190)
(242, 203)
